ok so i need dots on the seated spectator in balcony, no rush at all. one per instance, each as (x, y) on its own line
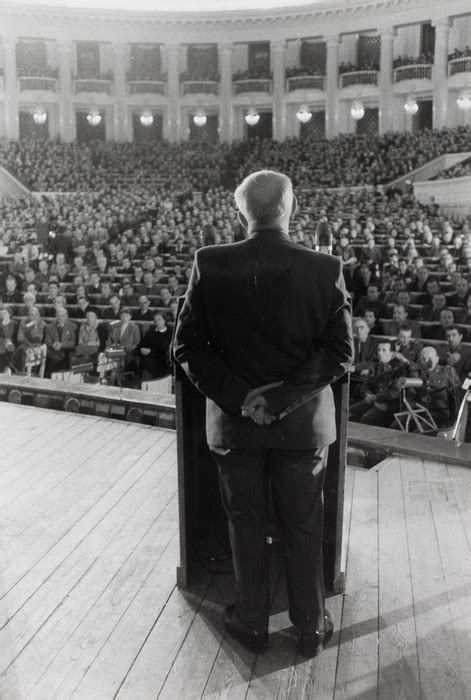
(365, 354)
(174, 286)
(29, 300)
(374, 324)
(399, 285)
(8, 337)
(371, 302)
(91, 339)
(58, 242)
(462, 294)
(10, 294)
(173, 312)
(373, 253)
(154, 350)
(431, 313)
(399, 318)
(94, 284)
(380, 393)
(60, 339)
(113, 312)
(438, 332)
(29, 278)
(362, 277)
(145, 313)
(439, 384)
(457, 356)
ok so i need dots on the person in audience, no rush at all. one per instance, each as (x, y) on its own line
(10, 295)
(113, 312)
(125, 334)
(375, 326)
(438, 392)
(431, 313)
(399, 317)
(91, 338)
(407, 350)
(60, 338)
(380, 393)
(457, 356)
(432, 287)
(365, 354)
(145, 313)
(8, 337)
(438, 332)
(30, 340)
(461, 296)
(154, 348)
(371, 302)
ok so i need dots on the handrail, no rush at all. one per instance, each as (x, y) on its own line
(252, 85)
(139, 87)
(359, 77)
(414, 71)
(93, 85)
(37, 82)
(305, 82)
(459, 65)
(192, 87)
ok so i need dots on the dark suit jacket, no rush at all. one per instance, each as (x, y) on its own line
(258, 311)
(67, 336)
(365, 353)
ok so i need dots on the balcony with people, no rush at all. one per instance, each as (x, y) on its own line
(194, 82)
(253, 80)
(305, 79)
(408, 69)
(358, 80)
(145, 76)
(94, 81)
(459, 68)
(38, 79)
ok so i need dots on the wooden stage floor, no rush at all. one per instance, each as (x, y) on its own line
(89, 607)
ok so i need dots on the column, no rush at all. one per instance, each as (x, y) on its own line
(332, 87)
(440, 74)
(386, 90)
(173, 93)
(226, 112)
(278, 52)
(12, 121)
(66, 108)
(120, 111)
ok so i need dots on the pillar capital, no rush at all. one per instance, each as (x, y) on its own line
(332, 40)
(64, 46)
(226, 49)
(278, 46)
(387, 33)
(442, 24)
(119, 48)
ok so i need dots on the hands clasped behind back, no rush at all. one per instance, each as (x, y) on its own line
(256, 407)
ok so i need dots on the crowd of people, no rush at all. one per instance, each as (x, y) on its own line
(457, 53)
(462, 169)
(426, 57)
(119, 254)
(294, 72)
(352, 67)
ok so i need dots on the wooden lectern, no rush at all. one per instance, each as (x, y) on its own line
(200, 508)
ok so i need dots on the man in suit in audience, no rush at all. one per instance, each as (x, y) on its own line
(399, 317)
(258, 312)
(456, 355)
(60, 338)
(407, 349)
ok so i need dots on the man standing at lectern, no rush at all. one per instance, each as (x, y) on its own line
(264, 324)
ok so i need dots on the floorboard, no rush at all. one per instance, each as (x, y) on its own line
(89, 608)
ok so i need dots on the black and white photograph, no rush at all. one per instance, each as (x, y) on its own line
(235, 350)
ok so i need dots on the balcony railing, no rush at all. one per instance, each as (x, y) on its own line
(419, 71)
(253, 85)
(28, 82)
(359, 77)
(141, 87)
(205, 87)
(459, 65)
(305, 82)
(93, 85)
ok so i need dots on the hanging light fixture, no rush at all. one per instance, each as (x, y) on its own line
(146, 119)
(411, 106)
(304, 114)
(39, 116)
(357, 110)
(200, 119)
(252, 118)
(464, 100)
(94, 118)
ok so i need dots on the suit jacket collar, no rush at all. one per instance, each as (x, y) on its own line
(272, 233)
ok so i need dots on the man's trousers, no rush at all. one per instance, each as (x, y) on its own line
(297, 480)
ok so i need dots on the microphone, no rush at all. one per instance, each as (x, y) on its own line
(324, 238)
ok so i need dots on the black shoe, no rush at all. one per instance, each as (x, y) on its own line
(256, 642)
(311, 644)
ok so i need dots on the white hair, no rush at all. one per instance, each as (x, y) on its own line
(264, 197)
